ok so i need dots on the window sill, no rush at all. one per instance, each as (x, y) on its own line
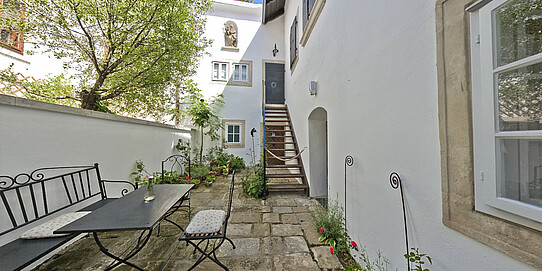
(240, 84)
(317, 9)
(231, 49)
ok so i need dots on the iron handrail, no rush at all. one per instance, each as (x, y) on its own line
(264, 147)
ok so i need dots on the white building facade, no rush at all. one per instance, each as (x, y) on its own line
(233, 67)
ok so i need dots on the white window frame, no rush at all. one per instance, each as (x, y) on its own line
(227, 133)
(485, 124)
(220, 74)
(240, 75)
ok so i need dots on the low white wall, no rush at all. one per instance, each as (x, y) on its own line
(35, 134)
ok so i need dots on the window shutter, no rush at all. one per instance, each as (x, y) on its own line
(293, 43)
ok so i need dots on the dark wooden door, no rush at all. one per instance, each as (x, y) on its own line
(274, 83)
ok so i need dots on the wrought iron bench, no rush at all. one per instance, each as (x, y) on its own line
(28, 200)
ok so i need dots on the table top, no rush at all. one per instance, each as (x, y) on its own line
(130, 212)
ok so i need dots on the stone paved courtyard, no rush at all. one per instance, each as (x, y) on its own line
(276, 234)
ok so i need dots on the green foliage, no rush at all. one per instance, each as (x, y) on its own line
(136, 55)
(333, 232)
(418, 259)
(253, 183)
(199, 172)
(203, 114)
(183, 148)
(140, 173)
(57, 89)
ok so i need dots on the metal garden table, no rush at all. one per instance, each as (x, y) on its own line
(131, 213)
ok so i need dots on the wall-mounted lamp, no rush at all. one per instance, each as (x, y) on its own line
(313, 86)
(275, 51)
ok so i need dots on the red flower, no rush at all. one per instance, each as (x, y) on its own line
(331, 249)
(187, 177)
(321, 230)
(354, 245)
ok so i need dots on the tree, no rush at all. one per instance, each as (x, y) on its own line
(202, 113)
(134, 54)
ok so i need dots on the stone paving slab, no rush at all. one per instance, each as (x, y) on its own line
(324, 258)
(296, 244)
(276, 234)
(294, 262)
(239, 229)
(243, 247)
(245, 217)
(286, 230)
(261, 230)
(289, 219)
(271, 218)
(311, 234)
(283, 210)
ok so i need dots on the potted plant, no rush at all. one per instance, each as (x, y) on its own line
(196, 183)
(209, 180)
(217, 170)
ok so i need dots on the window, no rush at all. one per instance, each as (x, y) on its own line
(506, 41)
(240, 72)
(220, 71)
(233, 133)
(293, 43)
(10, 39)
(307, 9)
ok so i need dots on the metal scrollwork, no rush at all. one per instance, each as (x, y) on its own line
(7, 182)
(124, 192)
(395, 182)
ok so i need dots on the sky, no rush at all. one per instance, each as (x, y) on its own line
(258, 1)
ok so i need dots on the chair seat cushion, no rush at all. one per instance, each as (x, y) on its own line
(46, 229)
(207, 221)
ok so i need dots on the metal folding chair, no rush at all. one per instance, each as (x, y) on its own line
(178, 163)
(209, 225)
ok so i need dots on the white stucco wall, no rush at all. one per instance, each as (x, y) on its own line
(375, 63)
(35, 134)
(255, 43)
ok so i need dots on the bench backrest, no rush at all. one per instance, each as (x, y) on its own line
(26, 198)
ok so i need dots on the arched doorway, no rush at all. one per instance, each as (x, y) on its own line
(318, 154)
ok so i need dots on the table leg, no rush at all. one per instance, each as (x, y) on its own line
(141, 242)
(171, 212)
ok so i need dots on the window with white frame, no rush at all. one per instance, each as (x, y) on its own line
(220, 71)
(506, 46)
(240, 72)
(233, 133)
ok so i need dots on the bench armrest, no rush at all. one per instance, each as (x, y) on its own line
(124, 191)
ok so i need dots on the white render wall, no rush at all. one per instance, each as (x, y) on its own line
(375, 63)
(255, 43)
(35, 134)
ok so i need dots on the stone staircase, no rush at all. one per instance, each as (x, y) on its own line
(284, 170)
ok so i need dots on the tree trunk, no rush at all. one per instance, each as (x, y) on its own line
(88, 100)
(201, 145)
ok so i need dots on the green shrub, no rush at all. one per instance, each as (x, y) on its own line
(330, 223)
(252, 183)
(199, 172)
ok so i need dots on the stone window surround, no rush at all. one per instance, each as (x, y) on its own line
(233, 145)
(455, 125)
(311, 22)
(240, 83)
(229, 74)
